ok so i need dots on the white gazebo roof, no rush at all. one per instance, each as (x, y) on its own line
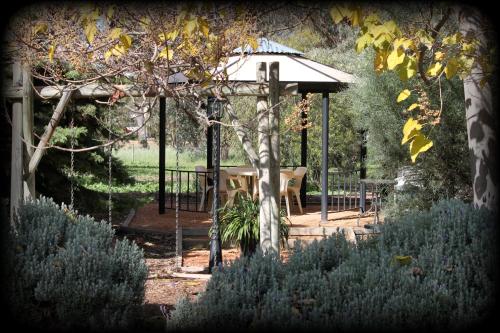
(310, 75)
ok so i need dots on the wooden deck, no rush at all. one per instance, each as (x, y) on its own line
(194, 226)
(307, 224)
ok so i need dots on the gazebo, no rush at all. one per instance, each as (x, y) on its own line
(302, 74)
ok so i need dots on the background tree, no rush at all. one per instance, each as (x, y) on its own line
(430, 47)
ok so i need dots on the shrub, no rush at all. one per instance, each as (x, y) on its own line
(240, 224)
(429, 270)
(69, 272)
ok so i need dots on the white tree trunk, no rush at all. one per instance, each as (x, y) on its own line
(264, 160)
(481, 129)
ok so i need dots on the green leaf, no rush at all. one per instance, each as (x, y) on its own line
(419, 145)
(403, 95)
(410, 130)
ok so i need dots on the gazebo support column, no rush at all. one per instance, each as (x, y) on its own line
(324, 159)
(274, 156)
(210, 134)
(215, 259)
(161, 175)
(362, 173)
(303, 155)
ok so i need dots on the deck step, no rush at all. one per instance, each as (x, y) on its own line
(195, 242)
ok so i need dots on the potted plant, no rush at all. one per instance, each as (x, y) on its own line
(240, 224)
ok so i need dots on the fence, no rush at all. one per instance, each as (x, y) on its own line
(344, 190)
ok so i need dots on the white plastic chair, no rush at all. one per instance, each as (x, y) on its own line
(225, 190)
(298, 174)
(284, 179)
(203, 178)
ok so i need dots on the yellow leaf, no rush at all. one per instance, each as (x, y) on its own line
(189, 26)
(403, 95)
(407, 69)
(452, 39)
(419, 145)
(126, 41)
(434, 69)
(413, 106)
(451, 68)
(52, 49)
(363, 41)
(403, 260)
(254, 44)
(118, 50)
(203, 25)
(396, 57)
(356, 17)
(166, 53)
(107, 55)
(380, 61)
(438, 56)
(410, 130)
(90, 31)
(424, 38)
(338, 13)
(40, 27)
(110, 12)
(114, 33)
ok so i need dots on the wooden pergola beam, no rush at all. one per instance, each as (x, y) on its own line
(95, 90)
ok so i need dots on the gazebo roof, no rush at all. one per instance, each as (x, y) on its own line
(310, 75)
(270, 47)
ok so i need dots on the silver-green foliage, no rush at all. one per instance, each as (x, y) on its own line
(69, 271)
(447, 284)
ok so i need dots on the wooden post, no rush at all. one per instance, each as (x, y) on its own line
(16, 169)
(28, 118)
(274, 165)
(264, 145)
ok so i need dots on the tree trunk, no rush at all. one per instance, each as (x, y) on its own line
(481, 127)
(264, 160)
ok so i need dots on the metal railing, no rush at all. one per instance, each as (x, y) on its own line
(344, 190)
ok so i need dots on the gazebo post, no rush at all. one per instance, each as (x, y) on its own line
(215, 259)
(303, 155)
(324, 159)
(161, 175)
(210, 134)
(362, 173)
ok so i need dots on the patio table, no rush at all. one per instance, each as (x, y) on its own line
(250, 175)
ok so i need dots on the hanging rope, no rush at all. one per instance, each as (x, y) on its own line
(110, 150)
(72, 160)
